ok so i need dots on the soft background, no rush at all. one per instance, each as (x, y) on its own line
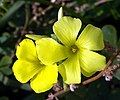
(18, 17)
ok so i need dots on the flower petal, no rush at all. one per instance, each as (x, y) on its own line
(91, 38)
(60, 13)
(70, 70)
(26, 50)
(86, 73)
(45, 79)
(66, 29)
(49, 51)
(35, 37)
(24, 70)
(91, 62)
(61, 69)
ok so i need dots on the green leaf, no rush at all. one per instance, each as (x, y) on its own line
(2, 51)
(4, 37)
(1, 77)
(115, 13)
(110, 34)
(6, 61)
(26, 87)
(117, 74)
(6, 70)
(118, 43)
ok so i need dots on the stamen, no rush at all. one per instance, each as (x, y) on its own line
(74, 49)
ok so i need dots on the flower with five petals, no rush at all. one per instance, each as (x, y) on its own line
(76, 52)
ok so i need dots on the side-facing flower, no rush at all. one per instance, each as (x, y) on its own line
(29, 67)
(77, 53)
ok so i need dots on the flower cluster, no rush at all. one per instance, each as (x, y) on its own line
(41, 61)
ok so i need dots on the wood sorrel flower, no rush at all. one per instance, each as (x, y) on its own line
(29, 67)
(76, 53)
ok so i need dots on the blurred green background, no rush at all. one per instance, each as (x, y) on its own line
(20, 17)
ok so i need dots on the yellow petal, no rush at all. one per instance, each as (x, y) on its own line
(91, 38)
(91, 62)
(49, 51)
(45, 79)
(70, 70)
(35, 37)
(26, 50)
(61, 69)
(66, 29)
(87, 74)
(24, 70)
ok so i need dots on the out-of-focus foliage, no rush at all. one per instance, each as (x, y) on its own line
(18, 17)
(110, 34)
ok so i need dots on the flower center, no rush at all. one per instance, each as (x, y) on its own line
(74, 49)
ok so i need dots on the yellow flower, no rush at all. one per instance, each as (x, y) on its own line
(76, 53)
(29, 67)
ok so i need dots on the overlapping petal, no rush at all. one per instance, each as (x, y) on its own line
(61, 69)
(26, 50)
(66, 29)
(91, 62)
(91, 38)
(24, 70)
(49, 51)
(35, 37)
(45, 79)
(71, 71)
